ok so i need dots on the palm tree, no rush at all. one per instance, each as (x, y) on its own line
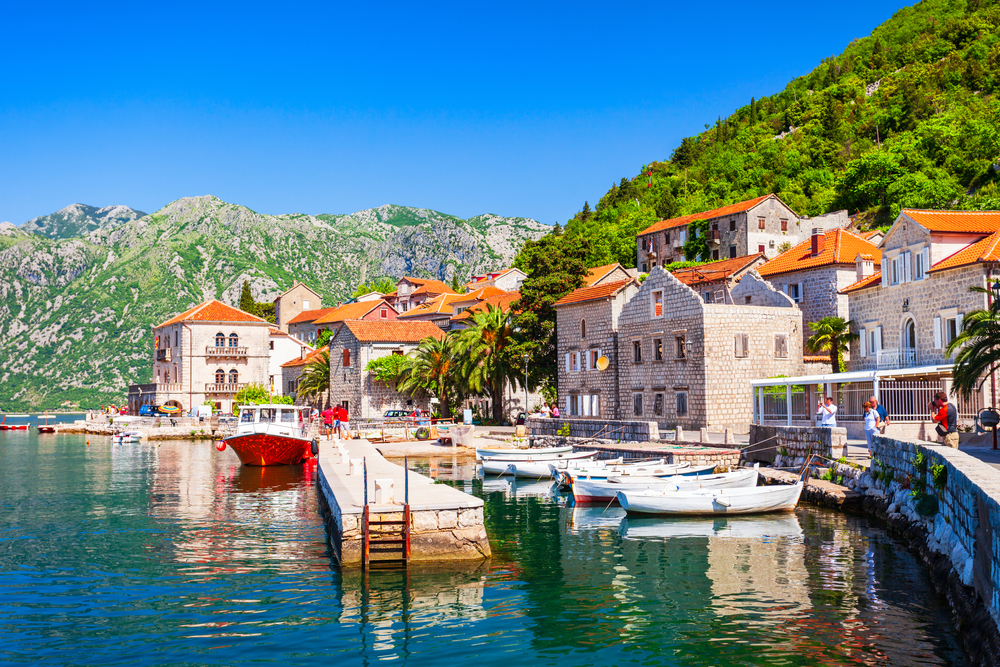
(315, 378)
(487, 361)
(433, 368)
(833, 335)
(978, 346)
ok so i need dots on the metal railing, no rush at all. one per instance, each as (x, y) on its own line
(163, 355)
(223, 387)
(891, 359)
(214, 351)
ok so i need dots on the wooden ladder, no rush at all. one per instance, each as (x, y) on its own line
(390, 543)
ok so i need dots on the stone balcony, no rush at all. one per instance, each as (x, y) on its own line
(163, 355)
(157, 388)
(893, 359)
(213, 351)
(224, 387)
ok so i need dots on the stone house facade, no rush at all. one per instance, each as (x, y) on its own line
(358, 342)
(294, 301)
(303, 325)
(586, 331)
(715, 281)
(609, 273)
(508, 280)
(291, 375)
(282, 347)
(374, 311)
(411, 292)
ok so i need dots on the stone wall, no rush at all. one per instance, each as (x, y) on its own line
(616, 431)
(820, 292)
(789, 446)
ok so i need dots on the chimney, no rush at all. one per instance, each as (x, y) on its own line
(295, 282)
(302, 352)
(864, 265)
(818, 241)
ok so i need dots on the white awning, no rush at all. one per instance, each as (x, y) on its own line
(855, 376)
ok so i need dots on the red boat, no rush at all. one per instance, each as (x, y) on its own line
(4, 426)
(269, 435)
(46, 424)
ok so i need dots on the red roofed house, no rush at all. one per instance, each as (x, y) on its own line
(761, 225)
(411, 292)
(291, 375)
(206, 353)
(715, 281)
(303, 325)
(609, 273)
(378, 311)
(508, 280)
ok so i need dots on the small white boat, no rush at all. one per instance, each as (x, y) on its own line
(524, 454)
(606, 490)
(756, 500)
(123, 430)
(510, 486)
(565, 477)
(738, 527)
(526, 468)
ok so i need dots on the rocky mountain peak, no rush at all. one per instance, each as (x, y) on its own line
(80, 219)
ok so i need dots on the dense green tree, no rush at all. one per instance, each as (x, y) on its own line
(435, 368)
(383, 285)
(315, 379)
(832, 335)
(484, 350)
(976, 348)
(247, 303)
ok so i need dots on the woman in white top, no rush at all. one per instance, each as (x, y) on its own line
(871, 423)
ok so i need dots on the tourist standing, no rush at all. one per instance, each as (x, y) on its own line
(871, 423)
(344, 421)
(336, 420)
(947, 419)
(328, 421)
(883, 414)
(827, 412)
(555, 411)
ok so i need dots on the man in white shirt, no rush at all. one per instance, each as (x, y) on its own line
(827, 412)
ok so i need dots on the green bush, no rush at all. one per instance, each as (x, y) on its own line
(939, 473)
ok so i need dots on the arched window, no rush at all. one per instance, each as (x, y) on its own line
(909, 335)
(220, 339)
(234, 340)
(234, 377)
(220, 376)
(583, 328)
(347, 358)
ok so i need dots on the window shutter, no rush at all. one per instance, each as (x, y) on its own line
(863, 342)
(907, 275)
(746, 344)
(595, 408)
(878, 339)
(801, 294)
(586, 405)
(569, 404)
(958, 323)
(567, 362)
(926, 252)
(737, 341)
(937, 333)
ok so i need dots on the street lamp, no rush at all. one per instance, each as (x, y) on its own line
(525, 386)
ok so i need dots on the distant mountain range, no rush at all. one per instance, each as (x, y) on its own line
(79, 289)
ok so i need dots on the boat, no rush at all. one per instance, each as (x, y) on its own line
(606, 490)
(535, 469)
(524, 454)
(122, 430)
(738, 527)
(46, 424)
(268, 435)
(755, 500)
(4, 426)
(565, 477)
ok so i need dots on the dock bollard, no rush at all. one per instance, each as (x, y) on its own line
(356, 465)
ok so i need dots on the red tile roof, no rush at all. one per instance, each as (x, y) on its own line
(598, 272)
(840, 247)
(873, 280)
(969, 222)
(436, 306)
(502, 301)
(986, 249)
(715, 271)
(393, 331)
(310, 315)
(299, 361)
(593, 293)
(426, 286)
(705, 215)
(213, 311)
(351, 311)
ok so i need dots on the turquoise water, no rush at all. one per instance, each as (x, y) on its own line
(174, 554)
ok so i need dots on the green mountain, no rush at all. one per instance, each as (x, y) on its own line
(75, 312)
(79, 219)
(906, 117)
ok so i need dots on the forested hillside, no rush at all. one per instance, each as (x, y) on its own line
(906, 117)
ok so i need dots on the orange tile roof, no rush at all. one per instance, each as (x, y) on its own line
(299, 361)
(212, 311)
(351, 311)
(840, 247)
(984, 250)
(873, 280)
(598, 272)
(310, 315)
(502, 301)
(593, 293)
(816, 358)
(969, 222)
(481, 293)
(869, 234)
(435, 306)
(739, 207)
(715, 271)
(393, 331)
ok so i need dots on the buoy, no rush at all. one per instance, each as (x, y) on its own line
(221, 446)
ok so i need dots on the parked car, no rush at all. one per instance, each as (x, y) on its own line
(406, 414)
(151, 411)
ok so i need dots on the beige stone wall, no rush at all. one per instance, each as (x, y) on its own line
(293, 302)
(820, 292)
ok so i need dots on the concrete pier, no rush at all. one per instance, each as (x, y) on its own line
(445, 524)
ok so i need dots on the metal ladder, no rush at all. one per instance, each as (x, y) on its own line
(392, 538)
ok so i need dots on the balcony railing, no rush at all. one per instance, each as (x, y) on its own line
(714, 236)
(892, 359)
(157, 388)
(213, 351)
(224, 387)
(163, 355)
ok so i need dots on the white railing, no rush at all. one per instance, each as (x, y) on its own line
(214, 351)
(223, 387)
(892, 359)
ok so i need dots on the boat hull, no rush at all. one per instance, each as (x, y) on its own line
(267, 449)
(538, 454)
(757, 500)
(565, 477)
(527, 469)
(19, 427)
(46, 429)
(604, 491)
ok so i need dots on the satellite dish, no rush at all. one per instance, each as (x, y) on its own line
(602, 363)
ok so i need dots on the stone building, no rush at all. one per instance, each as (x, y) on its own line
(207, 353)
(507, 280)
(282, 347)
(303, 325)
(355, 344)
(587, 331)
(715, 281)
(609, 273)
(443, 308)
(292, 302)
(814, 272)
(757, 226)
(376, 311)
(411, 292)
(291, 375)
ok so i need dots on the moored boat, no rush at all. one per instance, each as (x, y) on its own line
(268, 435)
(756, 500)
(565, 477)
(4, 426)
(606, 490)
(46, 424)
(528, 468)
(537, 454)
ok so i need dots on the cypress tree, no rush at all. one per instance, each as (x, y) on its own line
(247, 304)
(753, 111)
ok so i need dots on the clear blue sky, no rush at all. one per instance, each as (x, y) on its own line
(521, 109)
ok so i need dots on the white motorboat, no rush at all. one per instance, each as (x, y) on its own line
(123, 430)
(739, 527)
(524, 454)
(510, 486)
(755, 500)
(565, 477)
(527, 467)
(605, 490)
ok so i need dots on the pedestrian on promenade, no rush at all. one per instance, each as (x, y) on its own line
(827, 412)
(555, 411)
(947, 419)
(344, 419)
(871, 423)
(883, 414)
(328, 422)
(336, 420)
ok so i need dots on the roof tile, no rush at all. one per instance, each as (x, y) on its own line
(840, 247)
(986, 249)
(213, 311)
(310, 315)
(350, 311)
(715, 271)
(969, 222)
(503, 301)
(593, 293)
(738, 207)
(392, 331)
(299, 361)
(873, 280)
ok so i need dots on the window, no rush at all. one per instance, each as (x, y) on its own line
(637, 351)
(176, 340)
(875, 341)
(921, 263)
(645, 267)
(761, 249)
(900, 269)
(220, 339)
(794, 291)
(760, 223)
(951, 330)
(682, 404)
(234, 376)
(715, 254)
(595, 405)
(732, 252)
(270, 344)
(707, 297)
(397, 353)
(234, 340)
(780, 346)
(746, 300)
(658, 405)
(682, 236)
(594, 356)
(732, 225)
(742, 345)
(383, 313)
(680, 347)
(658, 303)
(658, 349)
(574, 361)
(347, 358)
(305, 304)
(574, 406)
(666, 237)
(784, 225)
(583, 328)
(637, 405)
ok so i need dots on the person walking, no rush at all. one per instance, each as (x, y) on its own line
(871, 423)
(947, 420)
(344, 422)
(883, 414)
(328, 421)
(336, 420)
(827, 412)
